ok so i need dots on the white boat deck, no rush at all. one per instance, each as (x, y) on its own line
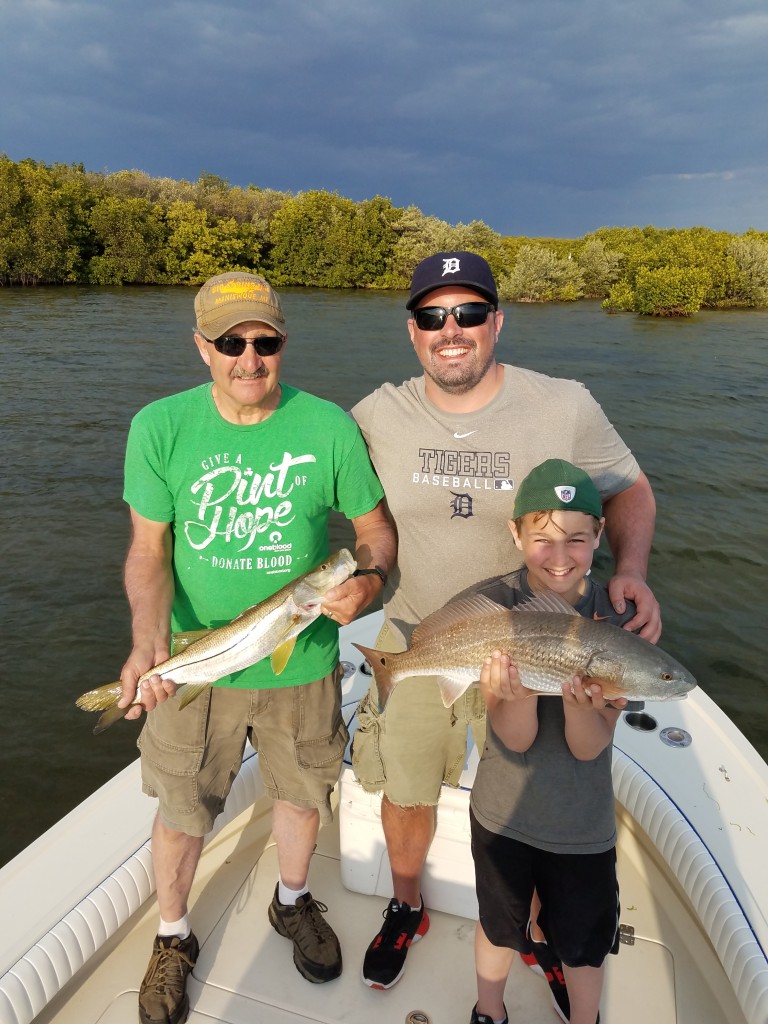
(244, 974)
(693, 823)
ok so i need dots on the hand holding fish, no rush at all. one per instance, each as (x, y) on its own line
(587, 735)
(578, 694)
(344, 603)
(151, 691)
(511, 711)
(500, 680)
(375, 551)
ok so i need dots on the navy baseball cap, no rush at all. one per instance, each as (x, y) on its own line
(447, 268)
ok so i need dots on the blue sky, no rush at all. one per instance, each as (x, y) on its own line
(539, 117)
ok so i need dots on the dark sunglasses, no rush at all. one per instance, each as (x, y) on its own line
(233, 345)
(467, 314)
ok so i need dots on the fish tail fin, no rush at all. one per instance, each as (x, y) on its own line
(100, 699)
(384, 681)
(110, 716)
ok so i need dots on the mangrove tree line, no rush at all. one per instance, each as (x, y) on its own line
(61, 224)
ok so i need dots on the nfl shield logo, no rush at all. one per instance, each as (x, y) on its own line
(565, 494)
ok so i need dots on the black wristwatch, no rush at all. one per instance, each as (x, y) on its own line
(368, 572)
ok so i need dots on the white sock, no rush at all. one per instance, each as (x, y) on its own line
(180, 927)
(414, 909)
(288, 896)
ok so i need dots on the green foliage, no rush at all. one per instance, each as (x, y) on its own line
(599, 266)
(621, 297)
(129, 234)
(61, 224)
(670, 291)
(416, 237)
(197, 249)
(323, 240)
(42, 212)
(749, 280)
(539, 275)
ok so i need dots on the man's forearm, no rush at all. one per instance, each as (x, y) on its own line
(376, 544)
(149, 587)
(630, 518)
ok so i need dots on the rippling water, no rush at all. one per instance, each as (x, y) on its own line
(688, 397)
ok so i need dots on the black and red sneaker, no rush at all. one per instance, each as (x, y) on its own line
(384, 961)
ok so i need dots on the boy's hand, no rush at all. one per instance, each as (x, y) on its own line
(500, 680)
(577, 694)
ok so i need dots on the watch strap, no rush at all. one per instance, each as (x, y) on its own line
(377, 570)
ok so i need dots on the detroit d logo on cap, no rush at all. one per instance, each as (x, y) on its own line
(451, 266)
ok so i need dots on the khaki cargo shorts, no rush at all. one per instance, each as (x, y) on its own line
(416, 744)
(190, 757)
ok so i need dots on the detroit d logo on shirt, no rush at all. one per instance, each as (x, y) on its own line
(565, 494)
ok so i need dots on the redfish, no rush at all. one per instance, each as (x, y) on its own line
(545, 638)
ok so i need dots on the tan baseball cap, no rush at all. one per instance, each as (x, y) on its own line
(230, 299)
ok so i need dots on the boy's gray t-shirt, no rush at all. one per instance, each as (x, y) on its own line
(450, 479)
(545, 797)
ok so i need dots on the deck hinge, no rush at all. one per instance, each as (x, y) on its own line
(626, 935)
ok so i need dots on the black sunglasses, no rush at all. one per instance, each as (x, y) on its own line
(233, 345)
(467, 314)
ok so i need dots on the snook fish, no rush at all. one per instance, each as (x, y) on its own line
(545, 638)
(266, 629)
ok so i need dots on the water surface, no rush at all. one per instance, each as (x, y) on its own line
(689, 398)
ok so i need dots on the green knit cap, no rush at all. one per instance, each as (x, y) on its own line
(557, 484)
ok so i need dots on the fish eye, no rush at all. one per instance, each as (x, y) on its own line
(325, 565)
(666, 676)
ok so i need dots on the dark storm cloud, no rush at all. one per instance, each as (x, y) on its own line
(547, 118)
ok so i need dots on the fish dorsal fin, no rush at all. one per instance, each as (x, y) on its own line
(454, 613)
(546, 601)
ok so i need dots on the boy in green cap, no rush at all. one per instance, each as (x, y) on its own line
(541, 808)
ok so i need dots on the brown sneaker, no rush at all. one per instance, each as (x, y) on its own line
(316, 950)
(162, 997)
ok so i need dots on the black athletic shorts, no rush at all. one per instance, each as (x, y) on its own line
(579, 896)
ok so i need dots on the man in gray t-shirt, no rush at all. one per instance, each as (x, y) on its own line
(450, 448)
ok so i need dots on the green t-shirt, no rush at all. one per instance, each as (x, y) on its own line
(249, 508)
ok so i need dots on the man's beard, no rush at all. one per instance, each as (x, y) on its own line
(457, 380)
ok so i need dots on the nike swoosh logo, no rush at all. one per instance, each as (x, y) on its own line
(459, 436)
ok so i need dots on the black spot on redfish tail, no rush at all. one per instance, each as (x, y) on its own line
(378, 662)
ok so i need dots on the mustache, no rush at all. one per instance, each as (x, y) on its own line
(241, 375)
